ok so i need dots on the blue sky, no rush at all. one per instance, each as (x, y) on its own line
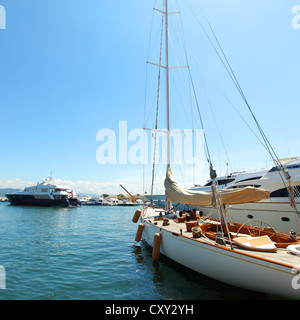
(71, 68)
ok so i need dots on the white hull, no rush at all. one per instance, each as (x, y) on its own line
(233, 267)
(280, 215)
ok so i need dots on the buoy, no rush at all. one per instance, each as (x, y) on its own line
(136, 216)
(156, 247)
(139, 232)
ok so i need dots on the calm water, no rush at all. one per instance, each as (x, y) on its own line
(90, 253)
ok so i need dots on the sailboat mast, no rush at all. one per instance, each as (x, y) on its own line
(167, 86)
(167, 202)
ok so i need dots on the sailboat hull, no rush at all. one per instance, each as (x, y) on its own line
(228, 266)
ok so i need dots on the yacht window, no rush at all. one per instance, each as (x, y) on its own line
(283, 193)
(291, 166)
(253, 178)
(224, 181)
(246, 185)
(44, 197)
(286, 219)
(220, 182)
(44, 190)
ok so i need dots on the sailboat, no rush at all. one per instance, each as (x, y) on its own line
(254, 257)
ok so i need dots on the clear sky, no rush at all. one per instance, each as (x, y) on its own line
(69, 69)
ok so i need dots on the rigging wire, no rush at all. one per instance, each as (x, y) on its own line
(194, 90)
(157, 108)
(237, 84)
(146, 87)
(223, 58)
(185, 53)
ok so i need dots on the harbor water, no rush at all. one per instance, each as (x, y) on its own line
(90, 253)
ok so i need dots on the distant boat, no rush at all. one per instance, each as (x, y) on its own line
(88, 201)
(111, 202)
(138, 202)
(45, 194)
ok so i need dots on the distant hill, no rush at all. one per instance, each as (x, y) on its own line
(7, 190)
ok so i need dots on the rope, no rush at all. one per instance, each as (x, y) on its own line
(229, 69)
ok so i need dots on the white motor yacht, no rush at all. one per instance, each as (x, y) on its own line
(138, 202)
(276, 210)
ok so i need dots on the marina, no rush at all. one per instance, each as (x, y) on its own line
(141, 206)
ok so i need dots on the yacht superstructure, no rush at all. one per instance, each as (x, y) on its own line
(276, 210)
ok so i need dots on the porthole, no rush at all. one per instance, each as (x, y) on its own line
(285, 219)
(250, 216)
